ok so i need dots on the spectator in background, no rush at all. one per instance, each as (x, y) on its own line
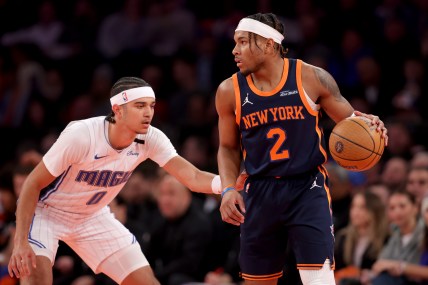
(370, 84)
(407, 100)
(341, 194)
(179, 242)
(358, 245)
(419, 159)
(169, 27)
(140, 195)
(394, 173)
(381, 190)
(417, 183)
(402, 140)
(45, 34)
(404, 244)
(7, 210)
(124, 30)
(416, 272)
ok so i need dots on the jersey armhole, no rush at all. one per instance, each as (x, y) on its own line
(301, 90)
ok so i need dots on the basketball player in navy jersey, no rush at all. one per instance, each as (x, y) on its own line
(270, 111)
(66, 196)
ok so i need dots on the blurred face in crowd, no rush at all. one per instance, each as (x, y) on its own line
(173, 198)
(137, 188)
(394, 172)
(417, 183)
(18, 181)
(424, 211)
(381, 191)
(359, 214)
(401, 210)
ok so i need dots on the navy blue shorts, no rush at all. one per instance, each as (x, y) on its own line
(296, 208)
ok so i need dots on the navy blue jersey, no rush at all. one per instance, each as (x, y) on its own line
(279, 129)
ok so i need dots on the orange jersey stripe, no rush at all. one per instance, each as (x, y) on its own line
(307, 105)
(237, 98)
(301, 90)
(276, 89)
(261, 277)
(324, 173)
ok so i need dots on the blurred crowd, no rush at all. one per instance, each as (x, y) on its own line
(59, 59)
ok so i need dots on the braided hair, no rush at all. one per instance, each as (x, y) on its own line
(271, 20)
(121, 85)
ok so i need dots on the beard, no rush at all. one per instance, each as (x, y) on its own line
(246, 72)
(256, 66)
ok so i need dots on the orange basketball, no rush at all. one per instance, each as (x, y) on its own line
(355, 144)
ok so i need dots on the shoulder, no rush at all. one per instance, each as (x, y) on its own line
(318, 82)
(76, 128)
(86, 124)
(225, 86)
(311, 72)
(225, 96)
(79, 132)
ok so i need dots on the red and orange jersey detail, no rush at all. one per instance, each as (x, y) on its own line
(276, 89)
(237, 98)
(261, 277)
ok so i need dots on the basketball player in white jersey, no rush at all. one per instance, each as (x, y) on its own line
(66, 196)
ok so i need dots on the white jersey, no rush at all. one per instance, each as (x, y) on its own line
(89, 171)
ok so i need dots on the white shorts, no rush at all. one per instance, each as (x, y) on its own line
(93, 238)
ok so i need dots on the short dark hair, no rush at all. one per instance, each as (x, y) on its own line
(271, 20)
(124, 83)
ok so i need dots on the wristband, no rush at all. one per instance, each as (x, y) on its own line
(227, 189)
(216, 185)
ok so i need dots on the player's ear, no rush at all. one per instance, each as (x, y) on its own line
(269, 45)
(116, 110)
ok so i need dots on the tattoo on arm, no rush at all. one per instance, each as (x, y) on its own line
(329, 83)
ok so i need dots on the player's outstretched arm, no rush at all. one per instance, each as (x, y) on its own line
(23, 258)
(189, 175)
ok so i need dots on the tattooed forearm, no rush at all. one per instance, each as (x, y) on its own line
(329, 83)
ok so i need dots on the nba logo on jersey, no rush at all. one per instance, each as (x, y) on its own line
(125, 98)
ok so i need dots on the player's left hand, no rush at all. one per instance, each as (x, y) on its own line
(375, 120)
(228, 209)
(22, 260)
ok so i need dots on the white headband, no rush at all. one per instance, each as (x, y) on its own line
(254, 26)
(132, 94)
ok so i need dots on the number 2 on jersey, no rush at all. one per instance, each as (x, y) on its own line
(280, 135)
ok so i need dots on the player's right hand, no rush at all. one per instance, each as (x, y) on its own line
(230, 213)
(22, 260)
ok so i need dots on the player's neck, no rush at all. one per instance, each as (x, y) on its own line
(119, 137)
(269, 75)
